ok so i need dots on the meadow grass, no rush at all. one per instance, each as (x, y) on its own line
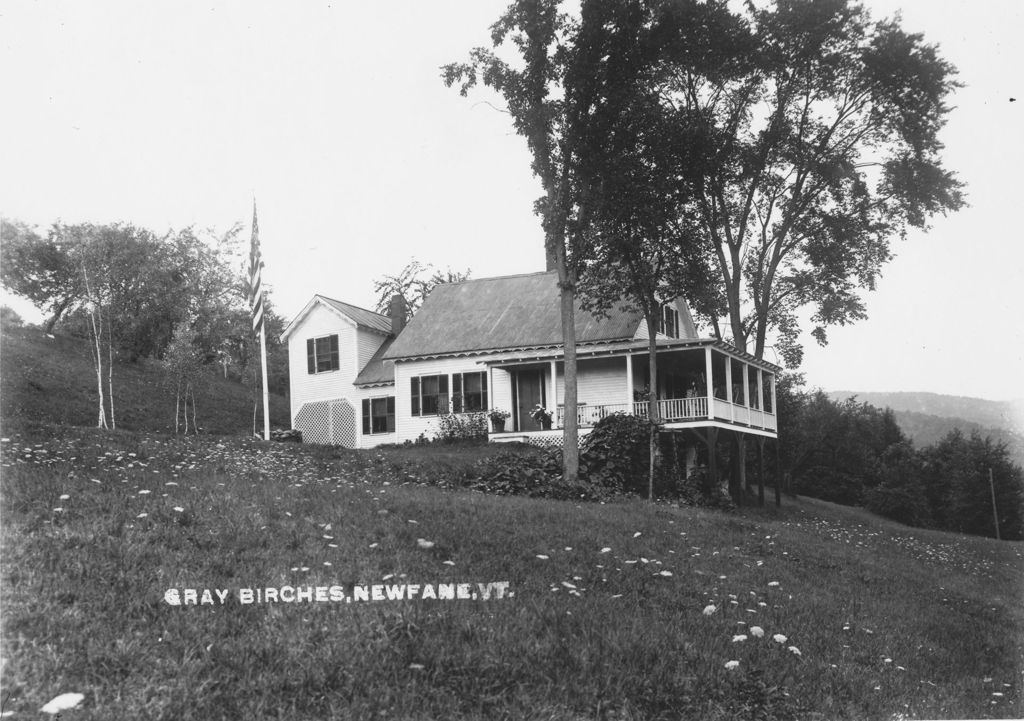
(625, 610)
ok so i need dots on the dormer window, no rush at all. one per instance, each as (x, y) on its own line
(668, 322)
(322, 354)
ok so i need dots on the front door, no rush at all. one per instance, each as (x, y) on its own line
(529, 388)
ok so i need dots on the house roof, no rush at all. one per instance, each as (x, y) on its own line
(377, 371)
(360, 316)
(508, 312)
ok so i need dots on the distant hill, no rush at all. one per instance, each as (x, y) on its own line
(50, 378)
(927, 417)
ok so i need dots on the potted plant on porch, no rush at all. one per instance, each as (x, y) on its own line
(498, 416)
(542, 415)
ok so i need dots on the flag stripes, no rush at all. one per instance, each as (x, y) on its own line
(256, 276)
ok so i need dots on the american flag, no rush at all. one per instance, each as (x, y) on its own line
(256, 276)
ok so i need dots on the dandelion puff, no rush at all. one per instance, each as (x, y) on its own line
(757, 631)
(732, 664)
(779, 638)
(739, 637)
(63, 702)
(709, 609)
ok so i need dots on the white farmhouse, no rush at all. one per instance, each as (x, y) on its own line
(359, 378)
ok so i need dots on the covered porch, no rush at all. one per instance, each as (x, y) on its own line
(700, 383)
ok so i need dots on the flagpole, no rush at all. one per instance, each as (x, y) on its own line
(266, 392)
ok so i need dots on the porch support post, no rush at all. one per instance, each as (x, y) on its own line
(760, 471)
(490, 392)
(629, 384)
(710, 386)
(775, 408)
(712, 459)
(554, 384)
(728, 388)
(760, 395)
(778, 474)
(746, 389)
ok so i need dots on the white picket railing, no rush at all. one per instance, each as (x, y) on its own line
(670, 410)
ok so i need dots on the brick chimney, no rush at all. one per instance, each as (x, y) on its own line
(397, 313)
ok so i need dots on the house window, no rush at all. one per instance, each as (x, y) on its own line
(429, 395)
(669, 321)
(378, 415)
(469, 392)
(322, 354)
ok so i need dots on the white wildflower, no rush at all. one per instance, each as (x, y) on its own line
(732, 664)
(794, 650)
(779, 638)
(739, 637)
(757, 631)
(710, 609)
(63, 703)
(424, 543)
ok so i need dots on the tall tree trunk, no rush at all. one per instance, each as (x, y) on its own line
(653, 410)
(570, 427)
(110, 369)
(195, 423)
(177, 405)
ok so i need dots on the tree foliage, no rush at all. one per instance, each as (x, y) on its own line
(856, 454)
(414, 284)
(131, 291)
(820, 134)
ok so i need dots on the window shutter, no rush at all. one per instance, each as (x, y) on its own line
(415, 396)
(366, 416)
(334, 353)
(391, 414)
(310, 356)
(443, 406)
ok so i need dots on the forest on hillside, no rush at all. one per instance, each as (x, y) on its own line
(855, 453)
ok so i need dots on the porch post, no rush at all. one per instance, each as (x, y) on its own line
(746, 389)
(710, 385)
(728, 388)
(490, 391)
(629, 384)
(554, 386)
(760, 471)
(760, 394)
(775, 408)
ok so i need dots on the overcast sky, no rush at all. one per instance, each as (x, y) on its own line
(334, 116)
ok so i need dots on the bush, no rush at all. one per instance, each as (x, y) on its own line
(462, 427)
(539, 476)
(617, 452)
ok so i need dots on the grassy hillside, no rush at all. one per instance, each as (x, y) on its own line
(51, 378)
(617, 611)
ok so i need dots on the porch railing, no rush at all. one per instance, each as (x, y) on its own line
(670, 410)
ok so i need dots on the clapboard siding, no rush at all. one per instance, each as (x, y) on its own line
(598, 381)
(410, 427)
(307, 386)
(369, 343)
